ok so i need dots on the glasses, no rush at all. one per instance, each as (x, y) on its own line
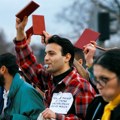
(102, 81)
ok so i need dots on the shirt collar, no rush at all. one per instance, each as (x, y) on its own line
(57, 79)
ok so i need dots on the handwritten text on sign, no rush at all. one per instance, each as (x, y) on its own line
(61, 102)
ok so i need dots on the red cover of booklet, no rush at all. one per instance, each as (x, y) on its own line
(85, 38)
(29, 31)
(38, 24)
(27, 10)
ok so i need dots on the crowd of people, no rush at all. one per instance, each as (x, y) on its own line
(71, 85)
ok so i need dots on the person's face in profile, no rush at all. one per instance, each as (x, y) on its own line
(107, 83)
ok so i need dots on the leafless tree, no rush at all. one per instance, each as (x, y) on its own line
(111, 6)
(79, 13)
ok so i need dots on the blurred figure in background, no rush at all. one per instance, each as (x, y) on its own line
(80, 63)
(79, 56)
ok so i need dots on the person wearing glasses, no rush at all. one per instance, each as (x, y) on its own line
(107, 79)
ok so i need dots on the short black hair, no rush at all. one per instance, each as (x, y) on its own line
(66, 45)
(110, 60)
(79, 55)
(9, 60)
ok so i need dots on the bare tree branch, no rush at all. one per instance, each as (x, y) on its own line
(79, 13)
(106, 5)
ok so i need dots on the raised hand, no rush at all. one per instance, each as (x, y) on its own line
(89, 52)
(20, 26)
(45, 37)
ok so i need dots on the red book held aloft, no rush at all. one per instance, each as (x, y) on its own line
(38, 24)
(29, 32)
(27, 10)
(85, 38)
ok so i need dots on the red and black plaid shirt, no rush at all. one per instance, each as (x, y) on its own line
(82, 91)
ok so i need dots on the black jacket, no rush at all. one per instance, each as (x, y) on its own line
(95, 109)
(115, 114)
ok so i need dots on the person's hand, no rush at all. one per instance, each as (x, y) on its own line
(48, 114)
(46, 36)
(89, 52)
(20, 26)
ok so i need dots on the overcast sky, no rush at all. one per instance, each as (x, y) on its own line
(48, 8)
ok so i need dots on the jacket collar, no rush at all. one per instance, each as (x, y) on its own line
(16, 83)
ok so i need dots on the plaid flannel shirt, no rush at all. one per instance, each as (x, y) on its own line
(82, 91)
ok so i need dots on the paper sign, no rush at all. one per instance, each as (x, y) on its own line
(87, 36)
(61, 102)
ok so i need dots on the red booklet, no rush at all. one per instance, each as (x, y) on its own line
(27, 10)
(38, 24)
(85, 38)
(29, 31)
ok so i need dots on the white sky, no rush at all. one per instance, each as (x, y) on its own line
(48, 8)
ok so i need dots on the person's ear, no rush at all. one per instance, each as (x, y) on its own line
(3, 69)
(80, 61)
(67, 57)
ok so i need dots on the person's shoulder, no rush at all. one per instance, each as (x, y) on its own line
(80, 81)
(80, 85)
(77, 80)
(95, 108)
(98, 99)
(116, 110)
(75, 76)
(115, 114)
(28, 90)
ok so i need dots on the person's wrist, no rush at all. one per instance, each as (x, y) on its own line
(20, 35)
(89, 64)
